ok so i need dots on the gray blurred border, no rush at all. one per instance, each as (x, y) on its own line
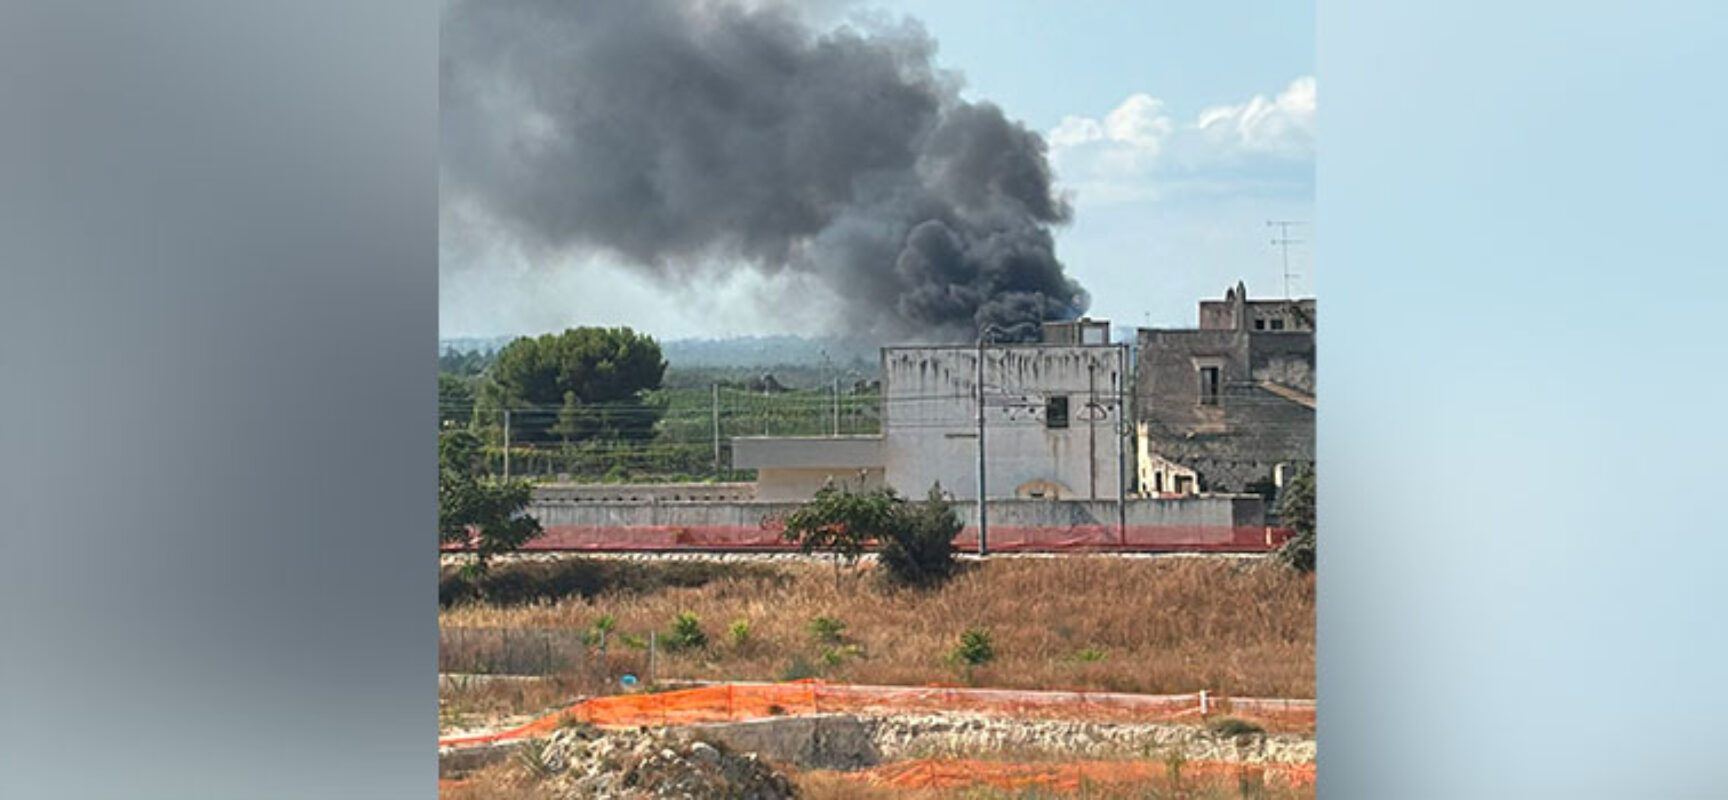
(218, 229)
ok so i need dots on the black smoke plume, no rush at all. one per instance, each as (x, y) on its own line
(676, 136)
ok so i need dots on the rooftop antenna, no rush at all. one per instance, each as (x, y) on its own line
(1284, 241)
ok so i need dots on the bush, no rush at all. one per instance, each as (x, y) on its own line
(827, 630)
(798, 669)
(686, 633)
(739, 634)
(1296, 510)
(834, 656)
(1230, 727)
(919, 551)
(916, 539)
(976, 648)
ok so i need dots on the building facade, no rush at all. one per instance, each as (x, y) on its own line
(1054, 425)
(1228, 406)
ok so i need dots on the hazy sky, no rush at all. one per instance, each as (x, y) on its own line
(1177, 130)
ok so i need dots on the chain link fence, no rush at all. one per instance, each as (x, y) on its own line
(510, 651)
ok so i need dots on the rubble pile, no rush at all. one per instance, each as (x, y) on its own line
(583, 762)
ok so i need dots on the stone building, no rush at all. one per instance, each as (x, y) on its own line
(1228, 406)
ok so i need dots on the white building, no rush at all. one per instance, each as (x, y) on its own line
(1053, 425)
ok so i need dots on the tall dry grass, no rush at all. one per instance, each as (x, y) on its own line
(1243, 628)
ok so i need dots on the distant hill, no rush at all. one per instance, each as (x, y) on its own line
(467, 344)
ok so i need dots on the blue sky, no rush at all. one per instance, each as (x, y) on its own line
(1178, 130)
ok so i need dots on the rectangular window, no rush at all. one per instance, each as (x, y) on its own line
(1056, 412)
(1208, 386)
(1277, 324)
(1259, 324)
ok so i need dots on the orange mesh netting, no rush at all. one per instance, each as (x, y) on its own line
(738, 701)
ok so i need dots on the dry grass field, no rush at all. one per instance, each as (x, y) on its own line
(1238, 627)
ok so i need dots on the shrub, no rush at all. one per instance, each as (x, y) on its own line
(827, 630)
(837, 655)
(916, 539)
(1230, 727)
(798, 669)
(686, 633)
(919, 550)
(739, 634)
(977, 647)
(1296, 510)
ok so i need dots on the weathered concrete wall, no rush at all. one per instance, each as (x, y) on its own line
(792, 468)
(930, 420)
(799, 452)
(797, 485)
(1214, 522)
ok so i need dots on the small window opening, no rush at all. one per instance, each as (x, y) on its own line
(1208, 386)
(1056, 412)
(1259, 324)
(1277, 324)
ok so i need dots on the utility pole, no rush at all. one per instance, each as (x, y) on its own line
(1284, 241)
(716, 415)
(1121, 443)
(506, 444)
(836, 406)
(983, 519)
(1091, 428)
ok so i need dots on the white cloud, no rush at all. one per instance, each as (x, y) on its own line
(1283, 125)
(1140, 151)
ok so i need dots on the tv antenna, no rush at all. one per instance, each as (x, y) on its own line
(1284, 241)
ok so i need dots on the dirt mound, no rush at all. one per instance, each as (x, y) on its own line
(583, 762)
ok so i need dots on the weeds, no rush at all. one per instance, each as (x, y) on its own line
(827, 630)
(1090, 655)
(686, 633)
(739, 634)
(1162, 625)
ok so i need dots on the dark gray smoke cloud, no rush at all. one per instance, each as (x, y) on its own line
(675, 136)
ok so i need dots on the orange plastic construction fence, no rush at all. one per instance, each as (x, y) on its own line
(740, 701)
(1068, 776)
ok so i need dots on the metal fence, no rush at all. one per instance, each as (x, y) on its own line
(509, 651)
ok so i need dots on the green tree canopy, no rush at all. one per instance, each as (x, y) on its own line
(916, 539)
(455, 401)
(1296, 511)
(580, 384)
(463, 364)
(474, 507)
